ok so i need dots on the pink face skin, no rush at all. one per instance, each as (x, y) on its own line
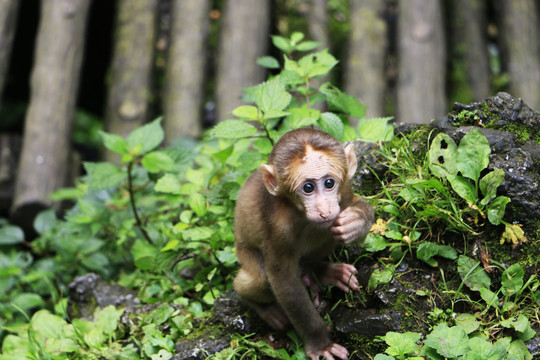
(318, 193)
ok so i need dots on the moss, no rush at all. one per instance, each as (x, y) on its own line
(368, 346)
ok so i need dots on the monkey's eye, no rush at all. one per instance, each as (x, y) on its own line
(308, 188)
(329, 183)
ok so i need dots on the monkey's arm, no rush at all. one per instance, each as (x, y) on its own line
(354, 222)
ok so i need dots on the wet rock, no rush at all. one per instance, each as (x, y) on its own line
(366, 322)
(202, 347)
(88, 292)
(230, 310)
(533, 346)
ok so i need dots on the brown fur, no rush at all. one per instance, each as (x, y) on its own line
(277, 245)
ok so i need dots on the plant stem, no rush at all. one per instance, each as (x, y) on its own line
(132, 202)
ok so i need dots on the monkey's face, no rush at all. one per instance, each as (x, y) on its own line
(316, 183)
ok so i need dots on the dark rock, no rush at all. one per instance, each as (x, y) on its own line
(88, 292)
(367, 322)
(230, 310)
(533, 346)
(200, 348)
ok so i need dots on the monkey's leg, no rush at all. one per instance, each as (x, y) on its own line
(254, 288)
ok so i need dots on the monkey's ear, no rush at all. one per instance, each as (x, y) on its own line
(352, 161)
(269, 179)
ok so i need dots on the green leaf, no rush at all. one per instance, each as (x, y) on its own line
(427, 251)
(463, 188)
(473, 154)
(143, 254)
(496, 209)
(467, 322)
(450, 343)
(296, 37)
(518, 350)
(374, 243)
(282, 43)
(317, 64)
(197, 203)
(308, 45)
(402, 344)
(489, 184)
(146, 138)
(168, 183)
(303, 116)
(442, 156)
(248, 112)
(96, 261)
(114, 142)
(332, 124)
(27, 301)
(157, 161)
(512, 279)
(107, 319)
(11, 235)
(198, 233)
(472, 274)
(489, 297)
(232, 129)
(103, 175)
(268, 62)
(379, 276)
(342, 102)
(271, 96)
(376, 129)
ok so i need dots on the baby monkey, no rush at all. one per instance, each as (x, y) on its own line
(290, 215)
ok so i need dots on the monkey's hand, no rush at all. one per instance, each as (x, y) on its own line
(329, 352)
(342, 276)
(350, 225)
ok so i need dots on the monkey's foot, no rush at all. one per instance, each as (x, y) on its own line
(274, 315)
(342, 276)
(329, 352)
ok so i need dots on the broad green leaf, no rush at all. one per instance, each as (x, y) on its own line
(472, 273)
(489, 184)
(308, 45)
(114, 142)
(427, 251)
(379, 276)
(317, 64)
(27, 301)
(282, 43)
(107, 319)
(342, 102)
(96, 261)
(442, 156)
(157, 161)
(518, 350)
(512, 279)
(383, 357)
(103, 175)
(473, 154)
(450, 343)
(248, 112)
(402, 344)
(374, 243)
(232, 129)
(198, 204)
(483, 350)
(489, 297)
(168, 183)
(467, 322)
(146, 138)
(296, 37)
(464, 188)
(162, 314)
(11, 235)
(143, 254)
(376, 129)
(332, 124)
(303, 116)
(496, 209)
(521, 325)
(198, 233)
(272, 96)
(268, 62)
